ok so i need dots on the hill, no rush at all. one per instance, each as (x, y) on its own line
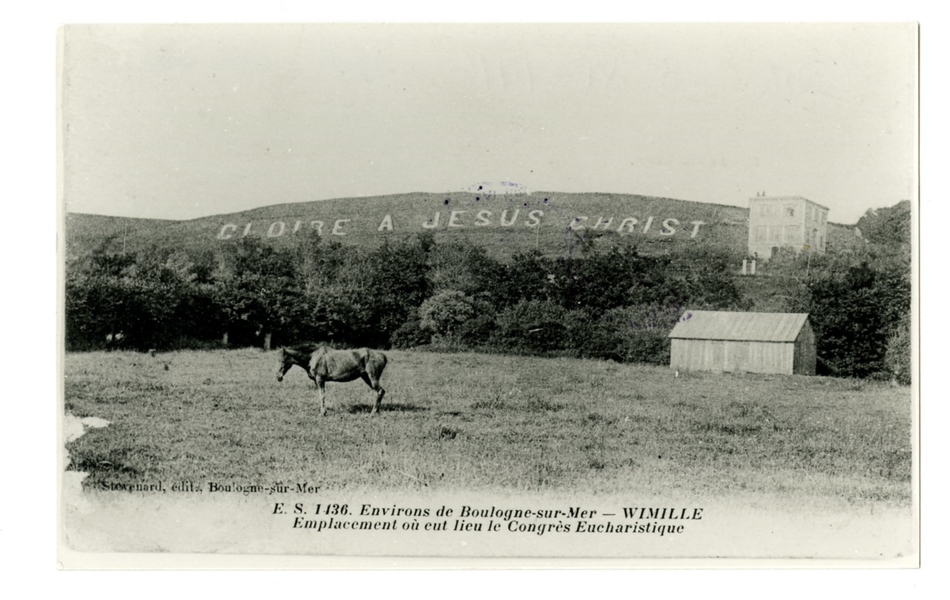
(505, 224)
(85, 232)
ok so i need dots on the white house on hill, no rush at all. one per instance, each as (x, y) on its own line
(786, 222)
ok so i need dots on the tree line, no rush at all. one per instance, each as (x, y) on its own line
(602, 301)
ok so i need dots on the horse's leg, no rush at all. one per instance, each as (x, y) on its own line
(322, 394)
(365, 377)
(373, 382)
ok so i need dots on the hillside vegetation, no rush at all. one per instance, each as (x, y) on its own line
(505, 228)
(572, 289)
(724, 228)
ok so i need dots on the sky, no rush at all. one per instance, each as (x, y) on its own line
(188, 121)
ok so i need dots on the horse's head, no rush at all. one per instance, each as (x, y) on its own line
(284, 362)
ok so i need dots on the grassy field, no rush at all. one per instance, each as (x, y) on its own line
(457, 422)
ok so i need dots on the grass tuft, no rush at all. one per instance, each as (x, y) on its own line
(447, 433)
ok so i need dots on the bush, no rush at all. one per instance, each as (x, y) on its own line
(591, 337)
(633, 334)
(477, 331)
(648, 346)
(898, 355)
(533, 326)
(410, 334)
(852, 312)
(443, 313)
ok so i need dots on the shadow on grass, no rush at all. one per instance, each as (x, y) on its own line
(368, 408)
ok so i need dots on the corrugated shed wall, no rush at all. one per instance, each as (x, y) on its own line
(720, 355)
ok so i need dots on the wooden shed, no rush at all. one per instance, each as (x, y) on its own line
(706, 340)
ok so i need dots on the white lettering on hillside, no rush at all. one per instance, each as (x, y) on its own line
(627, 225)
(453, 218)
(276, 229)
(460, 219)
(430, 224)
(227, 231)
(504, 214)
(534, 218)
(338, 226)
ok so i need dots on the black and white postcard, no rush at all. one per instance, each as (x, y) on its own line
(584, 294)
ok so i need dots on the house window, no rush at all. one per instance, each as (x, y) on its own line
(761, 233)
(775, 234)
(789, 211)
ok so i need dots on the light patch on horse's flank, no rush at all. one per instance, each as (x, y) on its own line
(73, 428)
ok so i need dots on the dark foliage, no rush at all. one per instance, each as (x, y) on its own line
(888, 226)
(410, 335)
(854, 312)
(604, 300)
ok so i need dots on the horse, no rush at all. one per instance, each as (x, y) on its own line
(323, 364)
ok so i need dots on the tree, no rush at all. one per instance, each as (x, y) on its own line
(445, 312)
(148, 300)
(395, 282)
(257, 286)
(854, 311)
(887, 226)
(523, 277)
(462, 266)
(898, 354)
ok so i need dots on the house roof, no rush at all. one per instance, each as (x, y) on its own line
(786, 199)
(739, 326)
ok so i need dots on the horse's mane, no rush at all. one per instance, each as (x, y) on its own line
(300, 350)
(304, 348)
(307, 349)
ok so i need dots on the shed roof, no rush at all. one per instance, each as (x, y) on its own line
(739, 326)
